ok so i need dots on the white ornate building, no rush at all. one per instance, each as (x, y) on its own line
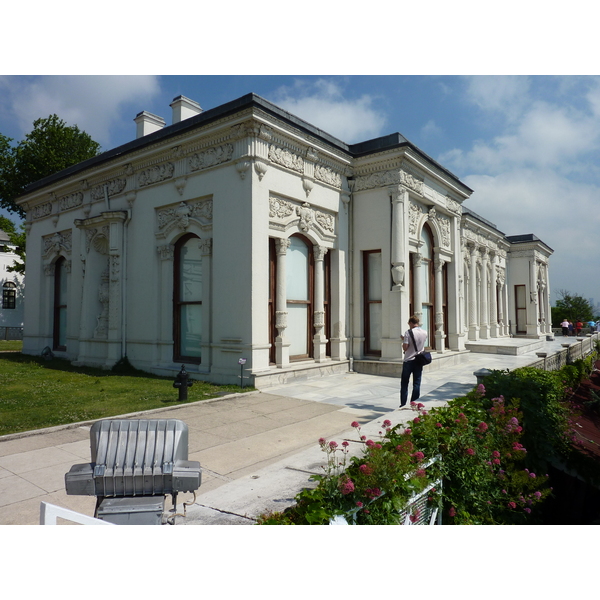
(11, 287)
(245, 232)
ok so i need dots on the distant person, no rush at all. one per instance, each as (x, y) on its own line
(412, 345)
(565, 327)
(578, 328)
(571, 329)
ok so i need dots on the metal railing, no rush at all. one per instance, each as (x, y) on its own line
(11, 333)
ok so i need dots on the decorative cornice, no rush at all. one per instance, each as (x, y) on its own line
(70, 201)
(285, 158)
(211, 157)
(114, 187)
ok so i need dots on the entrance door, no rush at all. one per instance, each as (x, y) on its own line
(521, 308)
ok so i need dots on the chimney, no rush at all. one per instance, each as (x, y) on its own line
(184, 108)
(147, 123)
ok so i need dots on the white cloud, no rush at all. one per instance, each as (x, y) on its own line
(323, 104)
(430, 130)
(505, 95)
(90, 102)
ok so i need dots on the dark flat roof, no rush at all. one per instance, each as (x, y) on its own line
(380, 144)
(473, 214)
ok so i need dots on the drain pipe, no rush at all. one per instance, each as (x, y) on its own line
(124, 289)
(350, 278)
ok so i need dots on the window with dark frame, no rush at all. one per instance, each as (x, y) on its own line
(60, 305)
(187, 300)
(9, 295)
(372, 301)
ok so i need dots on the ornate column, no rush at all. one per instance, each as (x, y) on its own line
(484, 330)
(319, 339)
(398, 194)
(282, 347)
(493, 298)
(440, 335)
(473, 322)
(417, 259)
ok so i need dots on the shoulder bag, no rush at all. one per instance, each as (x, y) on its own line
(423, 358)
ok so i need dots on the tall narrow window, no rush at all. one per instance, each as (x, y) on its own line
(521, 308)
(60, 305)
(187, 318)
(299, 294)
(327, 301)
(9, 295)
(427, 285)
(372, 301)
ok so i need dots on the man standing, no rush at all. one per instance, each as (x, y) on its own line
(412, 345)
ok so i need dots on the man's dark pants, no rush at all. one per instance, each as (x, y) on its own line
(410, 367)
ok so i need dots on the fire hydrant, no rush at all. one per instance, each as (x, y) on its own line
(182, 382)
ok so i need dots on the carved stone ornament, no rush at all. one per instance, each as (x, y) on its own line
(53, 244)
(70, 201)
(41, 210)
(212, 157)
(104, 296)
(414, 215)
(283, 157)
(327, 222)
(387, 178)
(261, 168)
(156, 174)
(282, 245)
(306, 215)
(453, 206)
(181, 215)
(242, 168)
(329, 176)
(398, 274)
(319, 319)
(280, 320)
(280, 209)
(166, 252)
(307, 185)
(116, 186)
(319, 252)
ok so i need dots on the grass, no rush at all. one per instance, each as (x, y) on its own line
(35, 393)
(11, 345)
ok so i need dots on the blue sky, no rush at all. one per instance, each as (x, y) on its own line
(529, 146)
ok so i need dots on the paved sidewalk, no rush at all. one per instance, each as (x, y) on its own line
(256, 450)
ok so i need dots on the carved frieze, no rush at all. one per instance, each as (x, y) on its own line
(116, 186)
(211, 157)
(41, 210)
(286, 213)
(329, 176)
(156, 174)
(283, 157)
(453, 206)
(391, 177)
(327, 222)
(306, 214)
(70, 201)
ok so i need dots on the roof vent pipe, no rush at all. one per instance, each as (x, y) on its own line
(184, 108)
(148, 123)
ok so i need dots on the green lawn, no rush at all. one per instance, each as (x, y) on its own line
(35, 393)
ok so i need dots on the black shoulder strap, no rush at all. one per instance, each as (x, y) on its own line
(412, 335)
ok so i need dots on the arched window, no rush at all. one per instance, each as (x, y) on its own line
(427, 284)
(60, 304)
(299, 294)
(9, 295)
(187, 301)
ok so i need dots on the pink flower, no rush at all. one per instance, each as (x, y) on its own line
(370, 443)
(345, 444)
(438, 424)
(482, 426)
(333, 444)
(408, 430)
(366, 469)
(420, 473)
(387, 423)
(416, 420)
(419, 456)
(322, 441)
(470, 451)
(532, 475)
(452, 511)
(537, 494)
(496, 453)
(420, 406)
(354, 424)
(512, 505)
(527, 510)
(481, 389)
(496, 461)
(346, 487)
(359, 504)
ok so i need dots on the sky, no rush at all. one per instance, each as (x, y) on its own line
(529, 146)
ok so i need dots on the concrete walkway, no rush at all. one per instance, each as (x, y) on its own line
(257, 450)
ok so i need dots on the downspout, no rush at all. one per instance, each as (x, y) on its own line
(124, 288)
(350, 292)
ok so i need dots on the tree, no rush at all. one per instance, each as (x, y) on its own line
(49, 148)
(573, 307)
